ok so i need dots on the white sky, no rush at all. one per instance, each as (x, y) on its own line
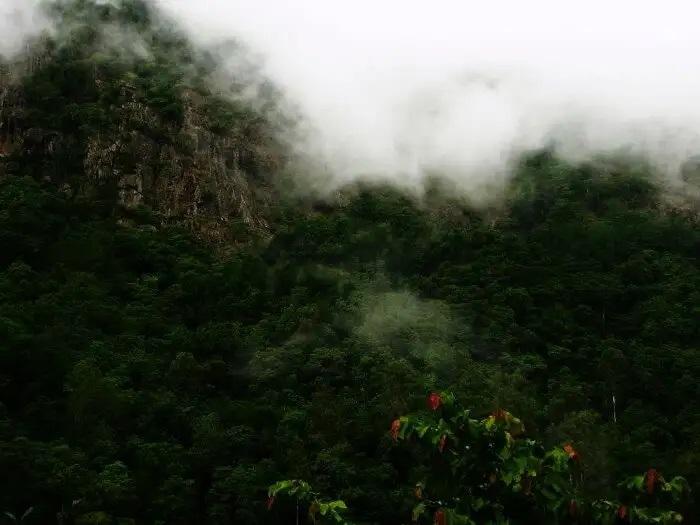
(400, 87)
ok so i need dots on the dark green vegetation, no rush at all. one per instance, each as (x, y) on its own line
(488, 471)
(146, 377)
(117, 105)
(151, 379)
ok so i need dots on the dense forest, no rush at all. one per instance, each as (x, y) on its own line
(177, 333)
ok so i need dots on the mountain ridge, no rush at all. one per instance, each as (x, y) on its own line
(137, 124)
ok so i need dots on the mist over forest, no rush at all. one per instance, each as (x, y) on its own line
(269, 262)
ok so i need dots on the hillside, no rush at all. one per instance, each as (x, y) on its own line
(146, 377)
(119, 106)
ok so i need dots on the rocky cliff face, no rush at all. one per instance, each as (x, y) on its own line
(141, 129)
(196, 176)
(10, 112)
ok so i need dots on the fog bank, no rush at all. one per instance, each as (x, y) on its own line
(399, 89)
(404, 89)
(19, 20)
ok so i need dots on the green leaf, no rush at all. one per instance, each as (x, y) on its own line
(418, 511)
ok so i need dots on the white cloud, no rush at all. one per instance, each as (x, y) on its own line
(19, 20)
(398, 87)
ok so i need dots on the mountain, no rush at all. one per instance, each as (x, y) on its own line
(177, 333)
(116, 104)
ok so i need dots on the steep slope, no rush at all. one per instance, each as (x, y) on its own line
(153, 381)
(116, 105)
(146, 378)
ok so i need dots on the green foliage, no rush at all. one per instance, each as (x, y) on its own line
(138, 369)
(485, 471)
(112, 81)
(151, 379)
(318, 511)
(147, 377)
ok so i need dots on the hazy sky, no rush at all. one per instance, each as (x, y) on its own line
(398, 88)
(18, 20)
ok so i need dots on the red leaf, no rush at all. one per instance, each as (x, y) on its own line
(418, 491)
(434, 401)
(499, 415)
(573, 508)
(622, 512)
(439, 518)
(651, 479)
(395, 427)
(441, 444)
(571, 451)
(270, 502)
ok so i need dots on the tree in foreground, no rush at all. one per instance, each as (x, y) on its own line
(486, 471)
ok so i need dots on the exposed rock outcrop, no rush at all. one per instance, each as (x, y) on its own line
(108, 129)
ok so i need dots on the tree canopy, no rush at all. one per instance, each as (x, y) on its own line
(150, 375)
